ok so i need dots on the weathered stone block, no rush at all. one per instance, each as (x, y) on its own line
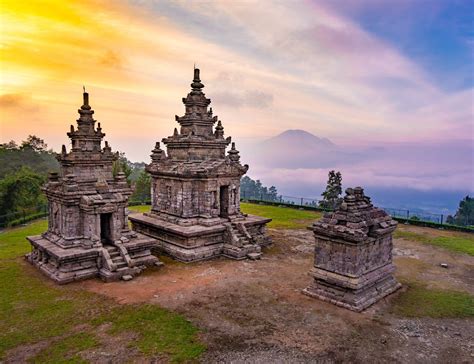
(353, 256)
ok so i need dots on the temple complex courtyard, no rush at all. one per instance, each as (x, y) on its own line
(242, 311)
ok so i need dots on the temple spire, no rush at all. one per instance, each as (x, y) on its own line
(85, 97)
(196, 85)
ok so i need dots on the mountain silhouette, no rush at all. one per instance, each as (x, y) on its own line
(300, 149)
(300, 139)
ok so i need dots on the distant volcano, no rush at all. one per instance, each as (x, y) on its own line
(300, 149)
(300, 139)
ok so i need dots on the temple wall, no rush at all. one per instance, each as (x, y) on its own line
(91, 226)
(355, 259)
(71, 221)
(197, 129)
(89, 172)
(193, 198)
(193, 153)
(167, 195)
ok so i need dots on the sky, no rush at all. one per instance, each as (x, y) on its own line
(363, 73)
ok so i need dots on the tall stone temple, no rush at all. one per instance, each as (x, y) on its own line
(353, 254)
(195, 211)
(88, 233)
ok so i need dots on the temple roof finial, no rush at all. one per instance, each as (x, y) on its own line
(196, 85)
(85, 97)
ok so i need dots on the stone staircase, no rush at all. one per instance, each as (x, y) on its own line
(116, 257)
(241, 237)
(116, 267)
(240, 245)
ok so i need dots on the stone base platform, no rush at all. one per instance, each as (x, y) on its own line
(109, 262)
(232, 238)
(353, 293)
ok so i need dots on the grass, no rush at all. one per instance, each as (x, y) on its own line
(162, 331)
(458, 244)
(13, 242)
(282, 217)
(66, 350)
(140, 208)
(33, 309)
(420, 301)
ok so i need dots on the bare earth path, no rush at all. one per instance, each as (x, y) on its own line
(254, 312)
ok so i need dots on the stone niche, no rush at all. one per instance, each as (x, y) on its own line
(88, 234)
(353, 254)
(195, 210)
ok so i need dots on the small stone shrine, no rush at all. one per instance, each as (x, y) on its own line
(353, 255)
(88, 233)
(195, 211)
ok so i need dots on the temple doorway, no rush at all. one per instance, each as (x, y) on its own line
(224, 201)
(106, 228)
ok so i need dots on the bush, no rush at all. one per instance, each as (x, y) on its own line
(26, 219)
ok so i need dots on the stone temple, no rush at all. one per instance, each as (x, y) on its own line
(195, 211)
(88, 233)
(353, 255)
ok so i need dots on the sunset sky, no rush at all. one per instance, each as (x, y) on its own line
(359, 72)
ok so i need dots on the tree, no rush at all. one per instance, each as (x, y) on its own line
(137, 168)
(273, 193)
(250, 189)
(331, 196)
(34, 143)
(142, 191)
(465, 214)
(11, 145)
(32, 153)
(21, 190)
(122, 164)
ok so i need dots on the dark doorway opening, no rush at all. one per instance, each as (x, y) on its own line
(224, 201)
(106, 228)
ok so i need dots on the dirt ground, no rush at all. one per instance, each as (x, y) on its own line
(254, 311)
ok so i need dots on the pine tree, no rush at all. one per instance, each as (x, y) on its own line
(465, 214)
(331, 196)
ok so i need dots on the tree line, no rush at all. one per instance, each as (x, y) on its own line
(24, 170)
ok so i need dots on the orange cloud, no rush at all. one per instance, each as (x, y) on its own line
(283, 70)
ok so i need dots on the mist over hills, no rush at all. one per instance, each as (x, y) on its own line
(301, 149)
(429, 175)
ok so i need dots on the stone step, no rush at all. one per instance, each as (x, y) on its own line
(254, 256)
(127, 277)
(121, 265)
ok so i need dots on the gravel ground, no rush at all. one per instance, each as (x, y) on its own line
(254, 311)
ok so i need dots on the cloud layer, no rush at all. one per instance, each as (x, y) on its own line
(267, 66)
